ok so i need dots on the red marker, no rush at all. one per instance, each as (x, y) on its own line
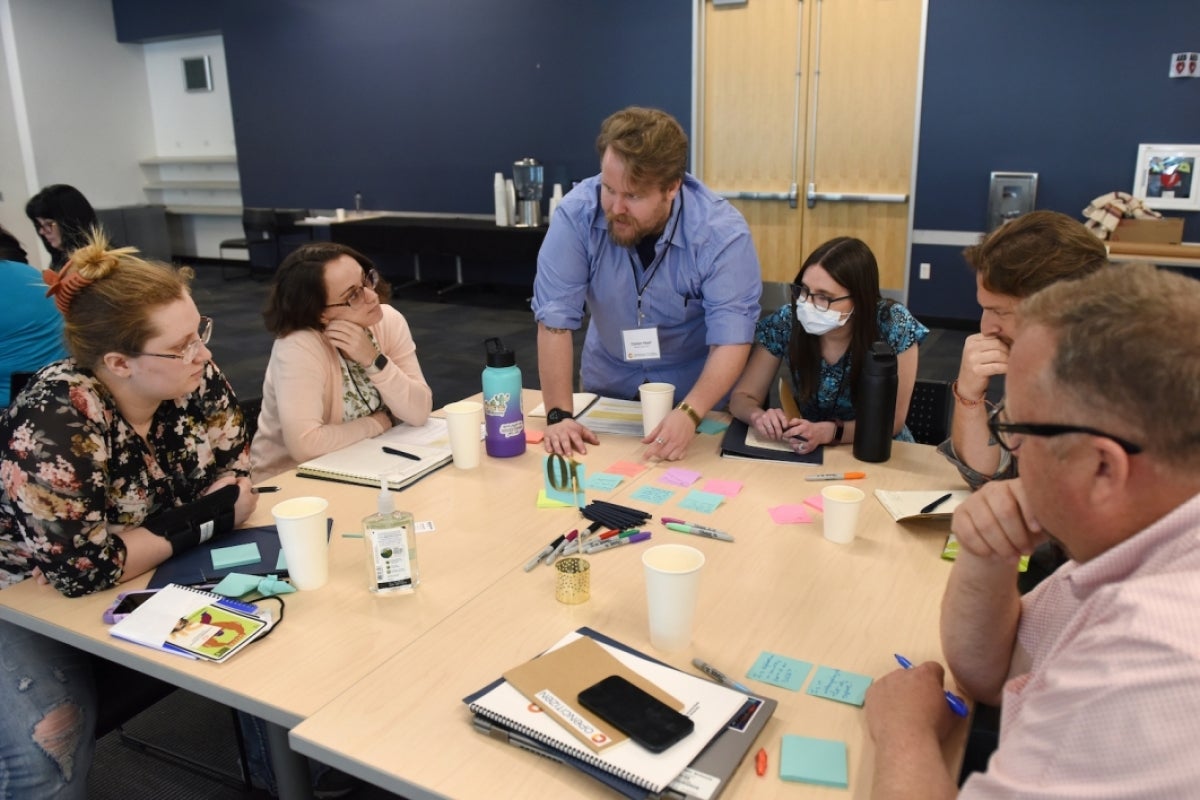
(760, 761)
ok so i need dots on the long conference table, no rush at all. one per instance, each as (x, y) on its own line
(373, 685)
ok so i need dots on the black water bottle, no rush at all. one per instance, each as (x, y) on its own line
(875, 405)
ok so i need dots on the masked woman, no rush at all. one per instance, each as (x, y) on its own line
(824, 334)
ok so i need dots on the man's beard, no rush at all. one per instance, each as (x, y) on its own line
(632, 237)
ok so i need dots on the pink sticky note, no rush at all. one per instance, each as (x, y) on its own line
(789, 513)
(816, 501)
(678, 476)
(727, 488)
(626, 468)
(534, 437)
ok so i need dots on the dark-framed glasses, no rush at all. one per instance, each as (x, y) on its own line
(821, 302)
(357, 295)
(1008, 434)
(190, 350)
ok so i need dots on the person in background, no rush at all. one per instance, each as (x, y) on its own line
(64, 220)
(668, 273)
(1017, 259)
(344, 365)
(111, 460)
(31, 327)
(836, 301)
(1097, 668)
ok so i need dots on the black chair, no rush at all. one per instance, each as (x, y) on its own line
(250, 409)
(929, 411)
(289, 233)
(261, 238)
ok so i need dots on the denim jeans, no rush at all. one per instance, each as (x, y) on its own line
(258, 757)
(48, 702)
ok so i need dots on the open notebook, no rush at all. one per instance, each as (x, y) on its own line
(366, 462)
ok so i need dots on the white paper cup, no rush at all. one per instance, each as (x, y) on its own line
(462, 421)
(657, 401)
(841, 512)
(304, 536)
(672, 583)
(341, 214)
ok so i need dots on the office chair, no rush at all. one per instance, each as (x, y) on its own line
(261, 231)
(929, 411)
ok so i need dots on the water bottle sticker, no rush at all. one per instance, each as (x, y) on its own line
(497, 404)
(510, 429)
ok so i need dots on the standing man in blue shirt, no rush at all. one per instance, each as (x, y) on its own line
(669, 275)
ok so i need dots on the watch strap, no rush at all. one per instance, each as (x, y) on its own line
(376, 366)
(839, 428)
(557, 415)
(691, 412)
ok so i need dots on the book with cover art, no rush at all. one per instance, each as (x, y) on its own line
(411, 454)
(192, 622)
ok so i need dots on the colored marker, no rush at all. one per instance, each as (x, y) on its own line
(558, 548)
(760, 762)
(836, 476)
(718, 676)
(679, 526)
(545, 551)
(596, 547)
(957, 704)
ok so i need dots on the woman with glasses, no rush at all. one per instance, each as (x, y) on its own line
(111, 460)
(343, 367)
(63, 218)
(835, 315)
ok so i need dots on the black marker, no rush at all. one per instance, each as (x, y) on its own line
(394, 452)
(936, 503)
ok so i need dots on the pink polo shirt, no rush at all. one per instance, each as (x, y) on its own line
(1111, 705)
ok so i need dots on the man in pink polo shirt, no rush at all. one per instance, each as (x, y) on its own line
(1097, 671)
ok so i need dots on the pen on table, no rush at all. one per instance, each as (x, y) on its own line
(264, 489)
(718, 676)
(936, 503)
(608, 544)
(558, 548)
(545, 551)
(394, 452)
(836, 476)
(956, 703)
(679, 526)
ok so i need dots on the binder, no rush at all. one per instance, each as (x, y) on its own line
(193, 623)
(741, 441)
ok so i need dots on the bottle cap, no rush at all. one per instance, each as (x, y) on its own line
(498, 355)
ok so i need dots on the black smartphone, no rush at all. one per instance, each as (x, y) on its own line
(125, 605)
(639, 715)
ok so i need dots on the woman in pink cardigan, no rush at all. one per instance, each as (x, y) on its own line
(344, 365)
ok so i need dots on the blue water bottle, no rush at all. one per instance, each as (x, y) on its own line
(502, 402)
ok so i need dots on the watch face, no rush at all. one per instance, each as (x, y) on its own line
(381, 361)
(556, 415)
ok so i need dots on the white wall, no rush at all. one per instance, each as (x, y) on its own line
(14, 179)
(189, 123)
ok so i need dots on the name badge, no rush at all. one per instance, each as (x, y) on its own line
(641, 344)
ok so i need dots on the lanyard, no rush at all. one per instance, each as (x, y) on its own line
(652, 270)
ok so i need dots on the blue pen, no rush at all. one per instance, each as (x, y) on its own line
(957, 704)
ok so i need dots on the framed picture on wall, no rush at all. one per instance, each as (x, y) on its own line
(1166, 176)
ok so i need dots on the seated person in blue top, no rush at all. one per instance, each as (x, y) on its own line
(64, 218)
(31, 327)
(841, 313)
(668, 273)
(110, 461)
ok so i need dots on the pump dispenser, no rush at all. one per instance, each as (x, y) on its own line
(390, 537)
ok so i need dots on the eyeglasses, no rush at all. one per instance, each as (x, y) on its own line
(356, 295)
(821, 302)
(1008, 434)
(45, 225)
(189, 351)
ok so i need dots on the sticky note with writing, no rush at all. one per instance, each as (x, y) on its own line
(834, 684)
(626, 468)
(678, 476)
(652, 494)
(819, 761)
(704, 502)
(604, 481)
(727, 488)
(780, 670)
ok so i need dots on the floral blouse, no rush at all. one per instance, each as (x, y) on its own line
(897, 326)
(74, 473)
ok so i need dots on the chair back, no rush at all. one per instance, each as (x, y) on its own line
(929, 411)
(259, 224)
(250, 408)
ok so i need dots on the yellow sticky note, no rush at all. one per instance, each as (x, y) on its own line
(545, 502)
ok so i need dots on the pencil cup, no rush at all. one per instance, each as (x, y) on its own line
(572, 581)
(841, 505)
(672, 584)
(303, 536)
(657, 401)
(463, 420)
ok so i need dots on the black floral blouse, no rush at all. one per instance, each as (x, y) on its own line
(74, 473)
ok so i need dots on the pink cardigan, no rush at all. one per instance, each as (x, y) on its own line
(301, 415)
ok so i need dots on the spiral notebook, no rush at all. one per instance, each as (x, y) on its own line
(365, 462)
(194, 623)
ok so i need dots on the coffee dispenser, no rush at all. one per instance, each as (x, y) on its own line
(527, 179)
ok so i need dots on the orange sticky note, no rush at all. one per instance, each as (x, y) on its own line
(534, 437)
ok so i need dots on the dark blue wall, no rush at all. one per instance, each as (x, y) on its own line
(416, 103)
(1065, 89)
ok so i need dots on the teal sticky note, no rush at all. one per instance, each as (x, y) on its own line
(652, 495)
(571, 495)
(712, 426)
(603, 481)
(281, 562)
(809, 760)
(704, 502)
(778, 670)
(236, 556)
(845, 687)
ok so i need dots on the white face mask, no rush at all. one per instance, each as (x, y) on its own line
(818, 322)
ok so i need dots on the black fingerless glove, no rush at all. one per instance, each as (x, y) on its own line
(187, 526)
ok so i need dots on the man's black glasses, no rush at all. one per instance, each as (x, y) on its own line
(1007, 434)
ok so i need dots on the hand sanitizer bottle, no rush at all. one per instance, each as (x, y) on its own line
(391, 547)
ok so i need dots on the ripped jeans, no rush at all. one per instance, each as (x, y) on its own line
(47, 732)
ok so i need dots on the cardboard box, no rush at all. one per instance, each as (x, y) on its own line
(1168, 230)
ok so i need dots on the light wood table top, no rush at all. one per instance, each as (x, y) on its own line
(778, 588)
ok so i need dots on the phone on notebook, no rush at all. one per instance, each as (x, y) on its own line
(126, 603)
(639, 715)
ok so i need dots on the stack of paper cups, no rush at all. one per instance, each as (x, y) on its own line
(501, 197)
(555, 199)
(510, 201)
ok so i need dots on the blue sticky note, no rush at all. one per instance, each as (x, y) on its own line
(819, 761)
(778, 670)
(281, 562)
(603, 481)
(845, 687)
(569, 495)
(704, 502)
(712, 426)
(238, 555)
(652, 495)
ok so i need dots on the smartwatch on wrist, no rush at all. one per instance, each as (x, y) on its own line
(377, 365)
(839, 428)
(557, 415)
